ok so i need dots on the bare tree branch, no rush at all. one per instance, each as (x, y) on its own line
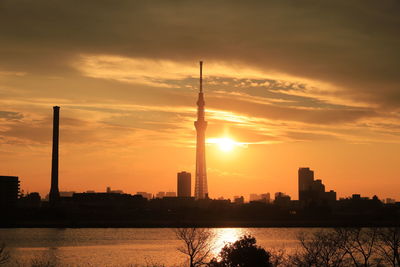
(388, 245)
(196, 244)
(4, 255)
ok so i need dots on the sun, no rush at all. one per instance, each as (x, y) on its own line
(224, 144)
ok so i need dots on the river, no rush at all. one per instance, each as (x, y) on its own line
(126, 246)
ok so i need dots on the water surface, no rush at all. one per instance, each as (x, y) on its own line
(127, 246)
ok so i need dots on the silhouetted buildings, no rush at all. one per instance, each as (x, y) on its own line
(54, 192)
(184, 184)
(145, 195)
(165, 194)
(109, 190)
(356, 205)
(312, 192)
(66, 193)
(265, 198)
(125, 210)
(281, 199)
(170, 194)
(9, 191)
(201, 188)
(238, 200)
(390, 201)
(253, 197)
(31, 200)
(160, 195)
(107, 200)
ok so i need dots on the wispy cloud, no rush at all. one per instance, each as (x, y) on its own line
(10, 115)
(12, 73)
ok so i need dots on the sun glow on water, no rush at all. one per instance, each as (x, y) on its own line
(224, 236)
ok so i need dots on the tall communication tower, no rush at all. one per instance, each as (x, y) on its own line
(201, 189)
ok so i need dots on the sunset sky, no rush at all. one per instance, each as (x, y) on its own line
(294, 84)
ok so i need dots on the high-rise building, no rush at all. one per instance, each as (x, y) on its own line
(313, 191)
(184, 184)
(201, 189)
(306, 179)
(9, 191)
(54, 192)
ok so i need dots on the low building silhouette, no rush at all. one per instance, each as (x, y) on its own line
(9, 191)
(173, 202)
(238, 200)
(109, 190)
(31, 200)
(390, 201)
(281, 199)
(107, 199)
(145, 195)
(264, 198)
(160, 195)
(358, 205)
(170, 194)
(253, 197)
(66, 193)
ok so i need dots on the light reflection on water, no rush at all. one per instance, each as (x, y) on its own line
(125, 246)
(223, 236)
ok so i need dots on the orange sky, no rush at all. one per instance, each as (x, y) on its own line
(294, 86)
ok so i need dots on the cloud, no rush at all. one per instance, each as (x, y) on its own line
(11, 73)
(39, 131)
(160, 72)
(352, 45)
(10, 115)
(269, 66)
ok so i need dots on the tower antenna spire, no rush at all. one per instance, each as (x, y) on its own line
(201, 76)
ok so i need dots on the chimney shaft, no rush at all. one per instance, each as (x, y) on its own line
(54, 192)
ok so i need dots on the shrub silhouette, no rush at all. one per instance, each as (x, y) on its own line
(242, 253)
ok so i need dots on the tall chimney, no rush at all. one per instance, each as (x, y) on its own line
(54, 193)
